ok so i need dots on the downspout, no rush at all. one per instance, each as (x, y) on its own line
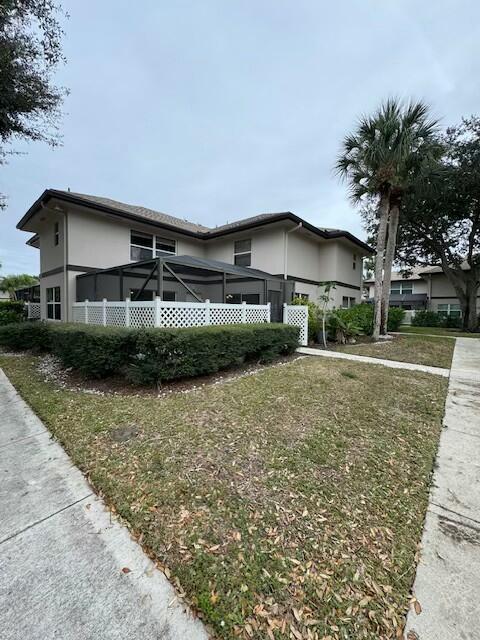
(65, 262)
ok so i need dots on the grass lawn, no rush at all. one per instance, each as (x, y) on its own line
(284, 504)
(438, 331)
(436, 352)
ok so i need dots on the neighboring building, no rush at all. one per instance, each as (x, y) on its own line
(4, 295)
(426, 288)
(93, 247)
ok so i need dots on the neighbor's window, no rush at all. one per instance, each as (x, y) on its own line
(354, 264)
(401, 288)
(142, 246)
(452, 310)
(242, 253)
(56, 233)
(302, 296)
(54, 305)
(348, 302)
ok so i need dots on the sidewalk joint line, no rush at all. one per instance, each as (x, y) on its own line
(460, 515)
(34, 524)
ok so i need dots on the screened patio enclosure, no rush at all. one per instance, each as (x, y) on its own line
(185, 279)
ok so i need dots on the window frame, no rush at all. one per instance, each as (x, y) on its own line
(457, 312)
(354, 263)
(240, 254)
(154, 251)
(56, 234)
(54, 303)
(401, 286)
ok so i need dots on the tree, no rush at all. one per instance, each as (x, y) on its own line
(380, 160)
(30, 50)
(13, 282)
(440, 221)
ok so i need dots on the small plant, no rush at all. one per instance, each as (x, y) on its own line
(426, 319)
(343, 329)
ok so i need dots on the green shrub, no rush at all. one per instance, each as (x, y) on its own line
(396, 316)
(148, 356)
(451, 322)
(11, 311)
(95, 351)
(360, 315)
(426, 319)
(341, 328)
(26, 335)
(167, 354)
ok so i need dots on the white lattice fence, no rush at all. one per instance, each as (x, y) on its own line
(33, 310)
(298, 316)
(160, 313)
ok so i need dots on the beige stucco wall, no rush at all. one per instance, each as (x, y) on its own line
(51, 255)
(418, 286)
(267, 248)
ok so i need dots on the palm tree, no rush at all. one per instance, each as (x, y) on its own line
(13, 282)
(382, 159)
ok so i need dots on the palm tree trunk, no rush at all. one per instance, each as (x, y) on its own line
(387, 270)
(381, 238)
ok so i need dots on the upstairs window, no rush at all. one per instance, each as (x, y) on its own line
(401, 288)
(144, 246)
(242, 253)
(56, 233)
(165, 245)
(54, 305)
(354, 262)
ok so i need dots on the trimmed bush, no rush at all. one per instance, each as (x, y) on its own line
(426, 319)
(26, 335)
(167, 354)
(11, 311)
(148, 356)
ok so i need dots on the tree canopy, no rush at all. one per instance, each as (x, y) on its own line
(30, 50)
(12, 282)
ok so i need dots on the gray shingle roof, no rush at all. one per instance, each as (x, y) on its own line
(143, 212)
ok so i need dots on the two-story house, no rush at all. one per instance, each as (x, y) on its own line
(425, 288)
(93, 248)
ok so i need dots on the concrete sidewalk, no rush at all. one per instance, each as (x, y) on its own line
(393, 364)
(447, 585)
(67, 569)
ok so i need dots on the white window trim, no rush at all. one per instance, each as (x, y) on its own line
(153, 248)
(242, 253)
(449, 309)
(53, 303)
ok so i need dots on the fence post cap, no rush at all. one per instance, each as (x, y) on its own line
(207, 300)
(104, 300)
(86, 300)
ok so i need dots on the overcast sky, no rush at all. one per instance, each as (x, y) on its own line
(214, 110)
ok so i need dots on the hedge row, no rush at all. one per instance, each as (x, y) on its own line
(148, 356)
(11, 311)
(433, 319)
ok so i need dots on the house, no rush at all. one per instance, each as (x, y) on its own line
(93, 248)
(425, 288)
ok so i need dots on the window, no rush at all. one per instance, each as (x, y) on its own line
(242, 253)
(354, 264)
(142, 246)
(238, 298)
(302, 296)
(401, 288)
(348, 302)
(165, 245)
(56, 233)
(452, 310)
(54, 306)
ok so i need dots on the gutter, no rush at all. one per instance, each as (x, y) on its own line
(285, 248)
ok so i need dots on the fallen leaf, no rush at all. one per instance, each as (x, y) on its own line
(126, 570)
(418, 607)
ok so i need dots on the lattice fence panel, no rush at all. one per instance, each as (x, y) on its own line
(95, 314)
(256, 313)
(34, 310)
(78, 314)
(115, 316)
(298, 316)
(194, 316)
(231, 314)
(142, 315)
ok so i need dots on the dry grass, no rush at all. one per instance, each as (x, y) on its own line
(435, 352)
(437, 331)
(285, 504)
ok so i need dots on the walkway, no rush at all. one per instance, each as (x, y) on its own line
(447, 585)
(394, 364)
(67, 568)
